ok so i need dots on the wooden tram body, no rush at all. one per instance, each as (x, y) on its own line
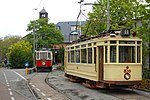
(106, 60)
(44, 59)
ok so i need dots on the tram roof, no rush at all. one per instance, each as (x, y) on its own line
(111, 35)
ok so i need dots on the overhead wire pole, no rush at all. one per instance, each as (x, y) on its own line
(34, 36)
(34, 41)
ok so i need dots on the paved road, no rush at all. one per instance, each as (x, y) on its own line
(13, 86)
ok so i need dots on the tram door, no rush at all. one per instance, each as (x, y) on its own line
(101, 62)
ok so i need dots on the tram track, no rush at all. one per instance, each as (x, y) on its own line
(120, 93)
(55, 88)
(31, 89)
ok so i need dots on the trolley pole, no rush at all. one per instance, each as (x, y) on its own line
(79, 16)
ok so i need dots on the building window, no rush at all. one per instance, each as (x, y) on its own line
(74, 27)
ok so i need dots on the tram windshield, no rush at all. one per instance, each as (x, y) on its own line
(43, 55)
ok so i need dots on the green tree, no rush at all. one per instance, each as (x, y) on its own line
(5, 43)
(46, 34)
(19, 54)
(123, 14)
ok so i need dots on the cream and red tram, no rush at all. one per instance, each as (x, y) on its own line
(44, 59)
(110, 59)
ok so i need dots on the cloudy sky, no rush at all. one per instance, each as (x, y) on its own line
(16, 14)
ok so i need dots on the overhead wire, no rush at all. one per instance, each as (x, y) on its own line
(39, 4)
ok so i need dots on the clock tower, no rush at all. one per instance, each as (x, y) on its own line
(43, 14)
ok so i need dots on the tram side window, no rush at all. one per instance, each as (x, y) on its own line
(126, 54)
(78, 56)
(72, 56)
(138, 54)
(112, 53)
(37, 55)
(105, 54)
(49, 55)
(89, 55)
(83, 55)
(68, 56)
(94, 55)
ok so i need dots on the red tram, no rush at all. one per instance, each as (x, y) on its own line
(44, 59)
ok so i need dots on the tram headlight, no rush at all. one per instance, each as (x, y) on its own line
(127, 76)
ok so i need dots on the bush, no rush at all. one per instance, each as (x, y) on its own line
(19, 54)
(146, 73)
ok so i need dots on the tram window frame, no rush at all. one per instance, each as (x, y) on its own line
(127, 54)
(77, 56)
(113, 54)
(83, 55)
(72, 56)
(90, 55)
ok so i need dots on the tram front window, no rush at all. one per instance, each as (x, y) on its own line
(43, 55)
(127, 54)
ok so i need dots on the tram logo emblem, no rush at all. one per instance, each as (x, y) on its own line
(127, 72)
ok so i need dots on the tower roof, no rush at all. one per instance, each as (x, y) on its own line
(43, 11)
